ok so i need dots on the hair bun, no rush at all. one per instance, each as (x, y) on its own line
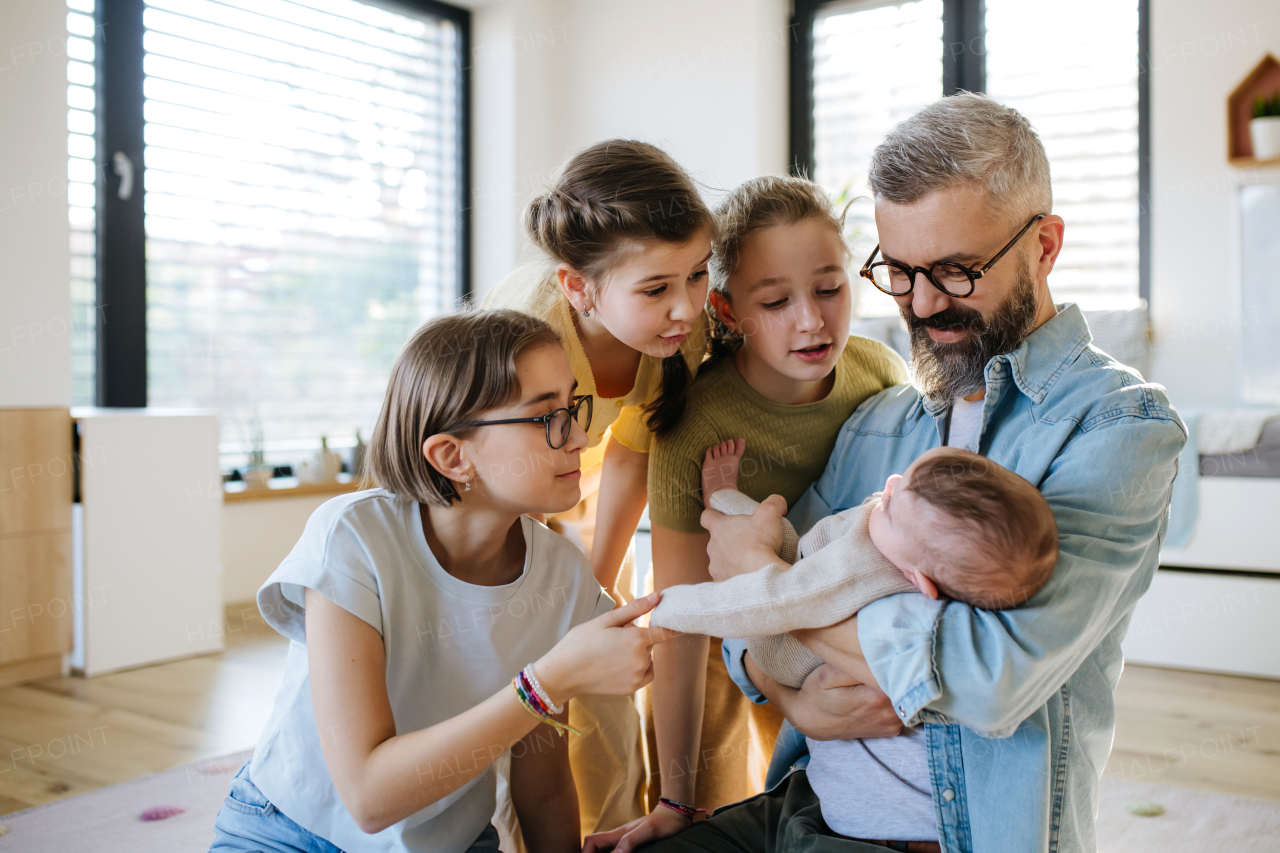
(612, 191)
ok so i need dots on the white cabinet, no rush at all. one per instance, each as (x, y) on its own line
(1208, 620)
(148, 555)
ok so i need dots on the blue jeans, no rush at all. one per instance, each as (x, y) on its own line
(248, 821)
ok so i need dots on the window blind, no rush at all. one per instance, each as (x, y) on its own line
(1075, 77)
(874, 64)
(82, 197)
(302, 175)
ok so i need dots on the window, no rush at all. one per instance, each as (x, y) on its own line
(303, 176)
(855, 104)
(1259, 296)
(82, 176)
(1075, 76)
(1079, 89)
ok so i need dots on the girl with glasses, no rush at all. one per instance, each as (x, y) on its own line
(436, 627)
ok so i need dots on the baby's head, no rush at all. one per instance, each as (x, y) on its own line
(958, 524)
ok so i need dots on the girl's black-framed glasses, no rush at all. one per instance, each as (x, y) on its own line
(952, 279)
(558, 422)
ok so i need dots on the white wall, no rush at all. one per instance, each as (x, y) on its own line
(707, 81)
(256, 537)
(35, 290)
(1200, 52)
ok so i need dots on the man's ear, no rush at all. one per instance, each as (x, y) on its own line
(446, 454)
(1049, 236)
(574, 286)
(723, 309)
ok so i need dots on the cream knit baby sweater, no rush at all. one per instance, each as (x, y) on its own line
(840, 572)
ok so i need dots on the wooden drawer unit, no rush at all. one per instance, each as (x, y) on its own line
(36, 484)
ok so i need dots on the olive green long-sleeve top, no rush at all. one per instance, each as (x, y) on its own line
(787, 446)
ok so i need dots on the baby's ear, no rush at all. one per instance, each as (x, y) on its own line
(923, 583)
(890, 485)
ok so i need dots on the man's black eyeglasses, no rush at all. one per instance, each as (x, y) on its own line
(558, 422)
(952, 279)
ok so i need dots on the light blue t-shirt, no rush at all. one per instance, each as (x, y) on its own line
(449, 646)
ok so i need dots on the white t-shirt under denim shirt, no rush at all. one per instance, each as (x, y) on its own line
(449, 646)
(879, 788)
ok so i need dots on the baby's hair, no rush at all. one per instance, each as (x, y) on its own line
(1018, 538)
(605, 197)
(753, 206)
(452, 368)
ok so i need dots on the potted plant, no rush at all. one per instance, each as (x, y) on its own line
(257, 473)
(1264, 129)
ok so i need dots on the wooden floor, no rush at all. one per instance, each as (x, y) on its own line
(1196, 730)
(66, 736)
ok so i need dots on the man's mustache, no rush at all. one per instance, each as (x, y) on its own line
(953, 317)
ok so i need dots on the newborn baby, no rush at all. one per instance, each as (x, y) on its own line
(955, 524)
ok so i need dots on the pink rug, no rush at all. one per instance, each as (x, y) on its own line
(108, 820)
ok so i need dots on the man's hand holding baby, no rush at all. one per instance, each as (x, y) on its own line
(830, 705)
(745, 543)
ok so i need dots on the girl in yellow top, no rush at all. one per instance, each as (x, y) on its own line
(627, 240)
(785, 377)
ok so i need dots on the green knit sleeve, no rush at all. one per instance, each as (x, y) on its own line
(675, 474)
(880, 360)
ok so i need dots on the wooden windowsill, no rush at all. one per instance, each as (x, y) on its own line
(288, 487)
(1246, 162)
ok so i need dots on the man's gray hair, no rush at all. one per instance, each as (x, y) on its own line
(965, 141)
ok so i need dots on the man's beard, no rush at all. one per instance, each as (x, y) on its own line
(944, 371)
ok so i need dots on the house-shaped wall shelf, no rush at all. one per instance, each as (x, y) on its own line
(1264, 79)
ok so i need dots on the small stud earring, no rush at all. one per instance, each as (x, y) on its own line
(466, 487)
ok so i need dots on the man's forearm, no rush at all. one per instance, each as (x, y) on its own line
(845, 709)
(779, 694)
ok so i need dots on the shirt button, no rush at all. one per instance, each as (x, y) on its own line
(948, 795)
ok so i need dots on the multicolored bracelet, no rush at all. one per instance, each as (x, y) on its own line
(683, 808)
(535, 700)
(532, 677)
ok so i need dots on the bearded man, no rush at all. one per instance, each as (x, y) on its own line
(1005, 717)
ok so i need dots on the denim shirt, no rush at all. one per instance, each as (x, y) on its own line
(1018, 705)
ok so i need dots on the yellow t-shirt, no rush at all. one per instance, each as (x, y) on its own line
(535, 291)
(787, 446)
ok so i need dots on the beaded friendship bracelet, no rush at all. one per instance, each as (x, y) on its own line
(532, 676)
(681, 808)
(535, 700)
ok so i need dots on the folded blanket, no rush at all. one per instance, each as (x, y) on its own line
(1232, 430)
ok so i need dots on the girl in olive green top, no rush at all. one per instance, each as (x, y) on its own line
(787, 378)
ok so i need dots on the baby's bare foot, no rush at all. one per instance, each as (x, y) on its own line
(720, 467)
